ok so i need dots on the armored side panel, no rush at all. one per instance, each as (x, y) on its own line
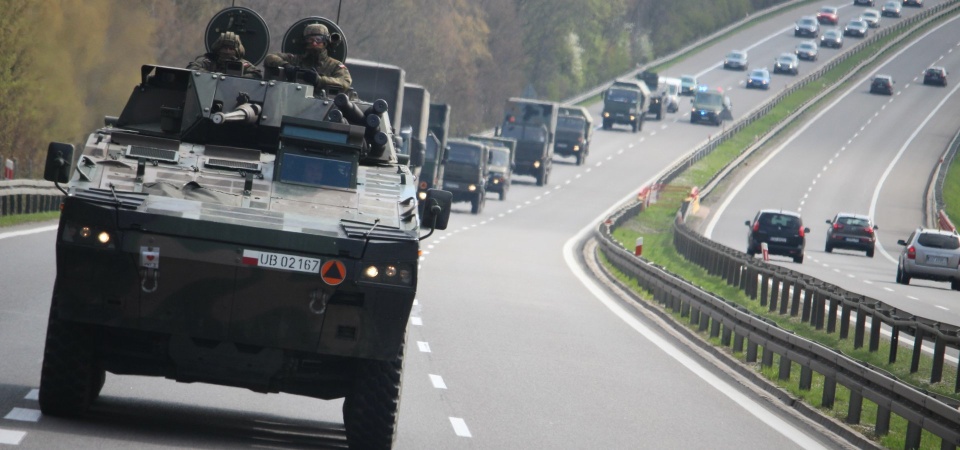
(373, 81)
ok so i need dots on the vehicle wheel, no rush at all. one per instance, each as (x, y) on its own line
(693, 119)
(580, 159)
(798, 259)
(476, 203)
(633, 126)
(546, 176)
(955, 285)
(750, 251)
(370, 412)
(606, 124)
(660, 115)
(827, 248)
(71, 377)
(503, 194)
(870, 253)
(640, 124)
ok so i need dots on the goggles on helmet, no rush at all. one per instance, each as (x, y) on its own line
(316, 38)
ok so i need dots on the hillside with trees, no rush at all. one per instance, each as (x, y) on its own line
(64, 64)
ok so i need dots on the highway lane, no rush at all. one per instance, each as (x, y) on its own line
(506, 347)
(869, 154)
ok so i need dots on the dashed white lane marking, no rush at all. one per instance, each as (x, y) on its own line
(912, 297)
(416, 321)
(34, 394)
(14, 234)
(23, 415)
(416, 302)
(868, 281)
(423, 346)
(942, 307)
(11, 437)
(460, 427)
(888, 289)
(599, 163)
(437, 381)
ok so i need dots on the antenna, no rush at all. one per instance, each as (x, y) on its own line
(339, 4)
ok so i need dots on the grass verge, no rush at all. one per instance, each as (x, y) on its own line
(19, 219)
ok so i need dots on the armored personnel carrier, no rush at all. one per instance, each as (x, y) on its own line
(240, 232)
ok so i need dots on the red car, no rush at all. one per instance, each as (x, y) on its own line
(828, 14)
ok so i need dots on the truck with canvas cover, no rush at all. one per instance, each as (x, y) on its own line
(431, 174)
(658, 101)
(238, 232)
(501, 162)
(625, 103)
(574, 131)
(533, 124)
(416, 113)
(375, 80)
(465, 174)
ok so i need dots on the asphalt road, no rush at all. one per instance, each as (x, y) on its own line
(508, 347)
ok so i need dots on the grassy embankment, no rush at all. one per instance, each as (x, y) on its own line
(655, 225)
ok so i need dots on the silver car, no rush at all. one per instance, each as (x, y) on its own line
(930, 254)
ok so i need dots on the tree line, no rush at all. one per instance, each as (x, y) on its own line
(65, 64)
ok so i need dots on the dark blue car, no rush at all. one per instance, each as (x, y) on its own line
(759, 78)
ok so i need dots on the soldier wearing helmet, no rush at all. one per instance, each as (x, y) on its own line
(226, 49)
(314, 66)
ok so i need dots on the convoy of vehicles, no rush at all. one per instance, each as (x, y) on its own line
(710, 106)
(533, 124)
(466, 171)
(500, 164)
(625, 103)
(574, 132)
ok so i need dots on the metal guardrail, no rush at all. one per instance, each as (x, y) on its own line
(28, 197)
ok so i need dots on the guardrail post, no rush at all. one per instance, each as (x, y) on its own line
(855, 408)
(785, 365)
(751, 282)
(714, 328)
(845, 321)
(832, 315)
(726, 334)
(829, 392)
(694, 315)
(883, 421)
(684, 308)
(774, 292)
(785, 295)
(895, 343)
(751, 351)
(806, 378)
(912, 440)
(764, 289)
(795, 303)
(876, 322)
(939, 348)
(861, 327)
(767, 357)
(733, 268)
(808, 295)
(738, 344)
(816, 310)
(917, 350)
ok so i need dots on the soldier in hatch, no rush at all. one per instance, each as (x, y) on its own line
(314, 66)
(227, 48)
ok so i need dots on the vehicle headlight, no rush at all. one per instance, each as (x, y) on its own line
(536, 164)
(472, 187)
(398, 274)
(422, 195)
(606, 114)
(87, 235)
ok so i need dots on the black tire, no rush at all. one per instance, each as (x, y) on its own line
(476, 203)
(580, 159)
(798, 259)
(955, 285)
(370, 412)
(503, 194)
(541, 176)
(827, 248)
(634, 126)
(660, 115)
(606, 124)
(870, 253)
(71, 376)
(902, 277)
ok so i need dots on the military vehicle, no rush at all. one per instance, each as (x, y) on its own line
(238, 232)
(625, 103)
(711, 106)
(574, 132)
(502, 159)
(533, 124)
(416, 112)
(431, 174)
(465, 174)
(380, 81)
(658, 100)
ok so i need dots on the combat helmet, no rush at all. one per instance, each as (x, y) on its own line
(230, 37)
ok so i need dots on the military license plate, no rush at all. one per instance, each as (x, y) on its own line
(280, 261)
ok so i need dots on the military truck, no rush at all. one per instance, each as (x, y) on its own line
(574, 132)
(657, 101)
(465, 174)
(243, 233)
(376, 80)
(502, 159)
(625, 103)
(533, 124)
(416, 113)
(710, 106)
(431, 174)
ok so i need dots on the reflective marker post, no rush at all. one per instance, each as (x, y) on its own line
(765, 251)
(638, 250)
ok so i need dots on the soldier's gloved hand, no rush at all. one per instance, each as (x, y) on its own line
(290, 71)
(310, 77)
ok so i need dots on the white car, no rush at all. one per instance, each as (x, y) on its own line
(671, 90)
(871, 17)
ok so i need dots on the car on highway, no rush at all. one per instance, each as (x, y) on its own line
(935, 75)
(930, 254)
(807, 26)
(857, 28)
(671, 89)
(891, 9)
(917, 3)
(781, 230)
(832, 38)
(828, 15)
(688, 84)
(786, 63)
(736, 60)
(871, 17)
(882, 84)
(851, 231)
(759, 79)
(807, 50)
(710, 105)
(863, 2)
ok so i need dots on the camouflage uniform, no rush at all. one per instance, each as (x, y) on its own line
(330, 71)
(211, 62)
